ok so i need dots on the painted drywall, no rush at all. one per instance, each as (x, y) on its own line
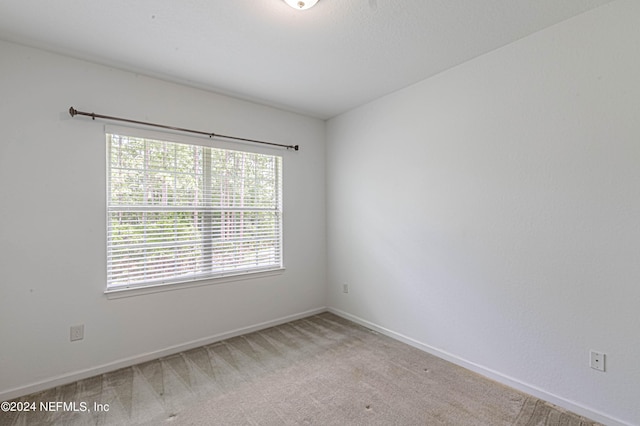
(52, 221)
(492, 212)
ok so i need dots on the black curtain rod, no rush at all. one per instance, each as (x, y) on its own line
(73, 112)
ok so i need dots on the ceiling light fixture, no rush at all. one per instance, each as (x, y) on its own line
(301, 5)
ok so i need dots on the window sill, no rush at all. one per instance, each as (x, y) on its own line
(118, 293)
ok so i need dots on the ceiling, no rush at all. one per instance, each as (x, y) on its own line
(319, 62)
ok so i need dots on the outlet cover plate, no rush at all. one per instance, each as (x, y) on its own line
(596, 360)
(76, 332)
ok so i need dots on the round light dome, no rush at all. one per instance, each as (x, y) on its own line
(301, 4)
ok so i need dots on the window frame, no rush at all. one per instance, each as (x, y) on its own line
(125, 290)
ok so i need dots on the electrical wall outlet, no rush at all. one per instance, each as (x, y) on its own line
(77, 332)
(596, 360)
(345, 288)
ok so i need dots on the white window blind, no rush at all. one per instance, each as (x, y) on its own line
(181, 212)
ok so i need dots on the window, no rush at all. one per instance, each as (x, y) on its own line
(181, 212)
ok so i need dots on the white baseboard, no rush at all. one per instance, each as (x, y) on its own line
(487, 372)
(127, 362)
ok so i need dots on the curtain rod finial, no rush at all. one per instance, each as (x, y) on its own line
(72, 111)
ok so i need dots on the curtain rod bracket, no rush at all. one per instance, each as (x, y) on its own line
(73, 112)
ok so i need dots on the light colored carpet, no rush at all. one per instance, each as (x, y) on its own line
(321, 370)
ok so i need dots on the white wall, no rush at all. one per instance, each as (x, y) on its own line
(52, 222)
(491, 214)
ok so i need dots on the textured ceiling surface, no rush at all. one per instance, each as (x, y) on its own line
(319, 62)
